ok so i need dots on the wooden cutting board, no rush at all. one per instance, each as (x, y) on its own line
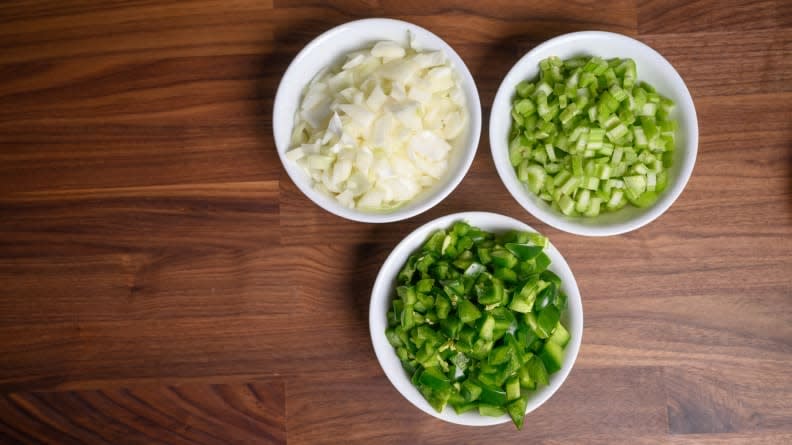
(163, 281)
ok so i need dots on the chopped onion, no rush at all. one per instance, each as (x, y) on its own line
(382, 127)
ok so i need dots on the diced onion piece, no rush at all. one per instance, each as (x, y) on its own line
(316, 115)
(432, 169)
(440, 78)
(359, 114)
(382, 130)
(377, 130)
(429, 59)
(376, 99)
(389, 50)
(407, 113)
(399, 71)
(340, 81)
(372, 199)
(295, 154)
(358, 184)
(353, 61)
(364, 160)
(419, 94)
(346, 198)
(320, 162)
(429, 145)
(341, 171)
(454, 124)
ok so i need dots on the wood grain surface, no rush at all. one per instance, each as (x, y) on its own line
(162, 281)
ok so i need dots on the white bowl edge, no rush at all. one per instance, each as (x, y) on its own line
(659, 73)
(384, 288)
(343, 39)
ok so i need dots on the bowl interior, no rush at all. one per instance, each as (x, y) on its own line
(328, 50)
(384, 289)
(652, 68)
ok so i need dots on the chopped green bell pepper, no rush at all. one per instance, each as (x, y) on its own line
(524, 251)
(516, 410)
(453, 321)
(468, 312)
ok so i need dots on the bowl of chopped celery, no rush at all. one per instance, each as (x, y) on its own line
(377, 120)
(594, 133)
(476, 319)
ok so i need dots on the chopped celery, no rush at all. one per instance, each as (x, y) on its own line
(587, 137)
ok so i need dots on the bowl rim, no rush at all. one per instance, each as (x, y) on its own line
(381, 287)
(550, 216)
(469, 149)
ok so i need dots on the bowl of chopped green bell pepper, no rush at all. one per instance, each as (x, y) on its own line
(476, 319)
(594, 133)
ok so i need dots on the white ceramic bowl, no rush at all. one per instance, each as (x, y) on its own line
(385, 287)
(652, 68)
(329, 49)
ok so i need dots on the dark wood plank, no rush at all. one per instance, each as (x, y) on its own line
(756, 62)
(124, 29)
(731, 438)
(181, 92)
(471, 22)
(707, 398)
(130, 219)
(155, 259)
(663, 16)
(188, 414)
(144, 285)
(103, 354)
(223, 313)
(317, 408)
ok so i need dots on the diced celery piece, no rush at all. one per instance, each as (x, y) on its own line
(525, 88)
(601, 138)
(635, 183)
(590, 183)
(577, 166)
(543, 88)
(570, 185)
(642, 200)
(618, 132)
(518, 148)
(525, 107)
(566, 204)
(592, 113)
(583, 199)
(651, 182)
(594, 206)
(603, 171)
(615, 199)
(617, 155)
(522, 170)
(561, 178)
(568, 113)
(535, 178)
(550, 152)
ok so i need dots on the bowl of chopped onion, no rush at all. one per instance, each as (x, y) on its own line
(377, 120)
(594, 133)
